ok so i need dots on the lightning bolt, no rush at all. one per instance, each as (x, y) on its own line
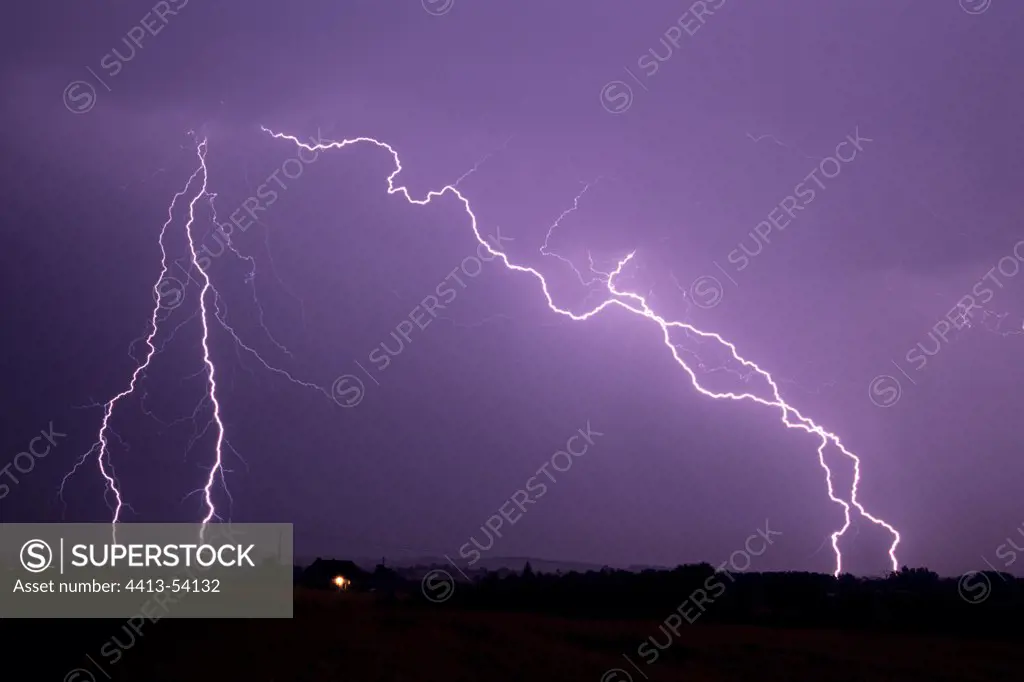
(637, 305)
(631, 302)
(545, 249)
(780, 143)
(101, 448)
(216, 472)
(989, 320)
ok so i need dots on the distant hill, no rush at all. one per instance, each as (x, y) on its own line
(488, 563)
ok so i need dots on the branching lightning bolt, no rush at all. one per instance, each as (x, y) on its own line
(637, 305)
(545, 248)
(633, 303)
(216, 472)
(102, 447)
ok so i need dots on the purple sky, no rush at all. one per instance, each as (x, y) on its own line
(474, 405)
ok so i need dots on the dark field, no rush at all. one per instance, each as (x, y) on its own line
(352, 636)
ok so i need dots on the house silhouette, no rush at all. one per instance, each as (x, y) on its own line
(321, 573)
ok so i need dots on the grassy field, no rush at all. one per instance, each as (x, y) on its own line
(349, 637)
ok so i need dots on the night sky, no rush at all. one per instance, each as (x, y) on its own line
(692, 128)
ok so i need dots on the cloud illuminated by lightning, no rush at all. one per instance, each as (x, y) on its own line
(637, 305)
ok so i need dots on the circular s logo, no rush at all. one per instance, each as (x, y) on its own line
(974, 587)
(348, 390)
(169, 293)
(36, 556)
(616, 97)
(706, 291)
(975, 6)
(884, 390)
(79, 97)
(438, 8)
(438, 586)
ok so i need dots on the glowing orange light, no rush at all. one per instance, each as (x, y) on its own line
(341, 582)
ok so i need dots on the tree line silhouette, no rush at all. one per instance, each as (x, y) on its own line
(989, 604)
